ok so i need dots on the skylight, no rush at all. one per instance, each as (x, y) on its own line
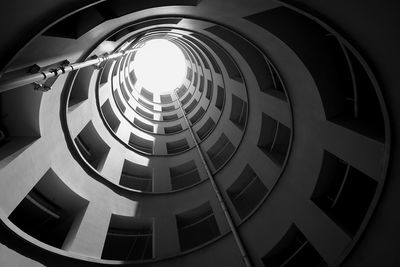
(159, 66)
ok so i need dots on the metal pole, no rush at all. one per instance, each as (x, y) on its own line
(9, 84)
(221, 201)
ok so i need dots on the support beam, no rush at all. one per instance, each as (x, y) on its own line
(10, 84)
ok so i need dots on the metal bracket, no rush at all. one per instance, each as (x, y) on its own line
(101, 65)
(41, 87)
(98, 66)
(35, 68)
(65, 63)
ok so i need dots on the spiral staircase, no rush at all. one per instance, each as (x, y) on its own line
(278, 148)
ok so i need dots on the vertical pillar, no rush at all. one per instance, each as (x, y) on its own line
(88, 236)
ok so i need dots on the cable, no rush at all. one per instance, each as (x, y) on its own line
(221, 201)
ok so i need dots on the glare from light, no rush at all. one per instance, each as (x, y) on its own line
(159, 66)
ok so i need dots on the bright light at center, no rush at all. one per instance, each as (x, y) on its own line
(159, 66)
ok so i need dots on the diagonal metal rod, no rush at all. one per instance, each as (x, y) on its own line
(13, 83)
(221, 201)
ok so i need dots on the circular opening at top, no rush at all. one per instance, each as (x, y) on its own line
(159, 66)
